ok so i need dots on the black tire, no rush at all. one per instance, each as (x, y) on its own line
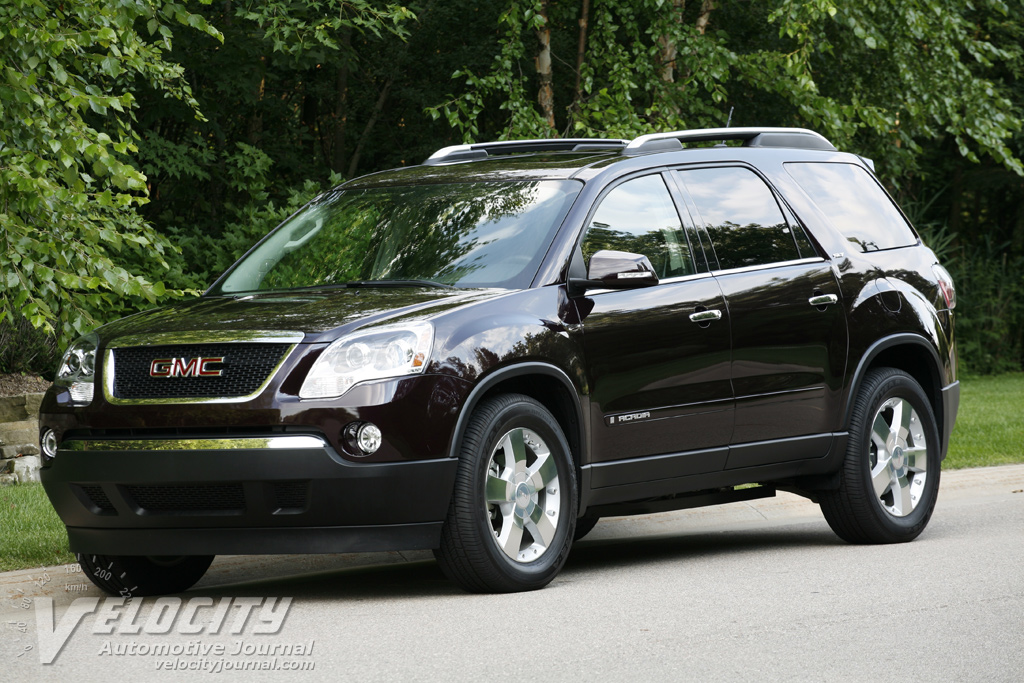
(585, 524)
(899, 507)
(471, 552)
(137, 575)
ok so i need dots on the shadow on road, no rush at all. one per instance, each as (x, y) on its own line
(424, 579)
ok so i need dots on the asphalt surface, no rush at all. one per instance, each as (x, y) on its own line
(760, 590)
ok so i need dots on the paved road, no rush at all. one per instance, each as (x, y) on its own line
(753, 591)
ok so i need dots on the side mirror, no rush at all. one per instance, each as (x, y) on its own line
(617, 270)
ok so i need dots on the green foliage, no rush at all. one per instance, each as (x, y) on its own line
(115, 192)
(68, 189)
(524, 120)
(298, 27)
(917, 76)
(204, 256)
(883, 78)
(990, 308)
(26, 349)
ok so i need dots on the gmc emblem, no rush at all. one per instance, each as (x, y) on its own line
(185, 367)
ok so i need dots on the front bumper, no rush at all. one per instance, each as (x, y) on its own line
(263, 495)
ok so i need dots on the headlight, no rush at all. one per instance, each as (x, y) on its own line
(77, 369)
(378, 353)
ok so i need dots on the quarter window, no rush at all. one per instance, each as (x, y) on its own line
(639, 217)
(855, 203)
(746, 225)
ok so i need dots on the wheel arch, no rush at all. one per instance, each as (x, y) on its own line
(548, 385)
(912, 354)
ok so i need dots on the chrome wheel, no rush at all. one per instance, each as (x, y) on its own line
(522, 499)
(889, 480)
(898, 455)
(513, 509)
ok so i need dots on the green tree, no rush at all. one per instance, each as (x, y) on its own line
(884, 78)
(68, 189)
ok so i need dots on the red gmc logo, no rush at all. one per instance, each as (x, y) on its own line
(185, 367)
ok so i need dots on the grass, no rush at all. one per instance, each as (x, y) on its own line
(990, 426)
(989, 431)
(31, 533)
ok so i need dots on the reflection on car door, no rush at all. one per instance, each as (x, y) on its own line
(659, 381)
(789, 336)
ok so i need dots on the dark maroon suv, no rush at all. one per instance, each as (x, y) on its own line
(484, 354)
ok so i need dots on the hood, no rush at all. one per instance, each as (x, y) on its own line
(320, 316)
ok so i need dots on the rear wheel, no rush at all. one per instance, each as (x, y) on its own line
(136, 575)
(510, 524)
(890, 479)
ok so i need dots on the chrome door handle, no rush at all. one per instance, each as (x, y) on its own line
(823, 300)
(706, 316)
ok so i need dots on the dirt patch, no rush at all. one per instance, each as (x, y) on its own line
(16, 385)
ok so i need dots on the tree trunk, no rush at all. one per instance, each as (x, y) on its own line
(705, 15)
(582, 48)
(341, 105)
(309, 111)
(378, 107)
(668, 46)
(256, 120)
(546, 95)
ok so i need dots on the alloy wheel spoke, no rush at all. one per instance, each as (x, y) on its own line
(880, 431)
(518, 445)
(511, 536)
(906, 415)
(540, 527)
(902, 503)
(898, 410)
(882, 478)
(543, 472)
(917, 458)
(497, 489)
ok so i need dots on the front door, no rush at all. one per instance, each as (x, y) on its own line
(659, 380)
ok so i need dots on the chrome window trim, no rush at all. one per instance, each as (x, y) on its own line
(668, 281)
(108, 384)
(207, 337)
(769, 266)
(203, 444)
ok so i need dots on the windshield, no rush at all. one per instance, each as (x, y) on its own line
(484, 234)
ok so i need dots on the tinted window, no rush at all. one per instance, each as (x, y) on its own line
(856, 204)
(639, 217)
(745, 222)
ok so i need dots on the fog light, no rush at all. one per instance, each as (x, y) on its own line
(369, 438)
(48, 444)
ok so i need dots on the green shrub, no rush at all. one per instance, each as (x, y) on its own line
(990, 308)
(26, 349)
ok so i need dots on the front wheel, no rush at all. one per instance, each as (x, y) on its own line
(510, 523)
(890, 478)
(138, 575)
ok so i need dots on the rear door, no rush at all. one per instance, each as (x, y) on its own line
(789, 338)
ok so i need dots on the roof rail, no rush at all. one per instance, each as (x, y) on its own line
(799, 138)
(488, 149)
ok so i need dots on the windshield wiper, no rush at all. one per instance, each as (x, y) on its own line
(396, 283)
(357, 284)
